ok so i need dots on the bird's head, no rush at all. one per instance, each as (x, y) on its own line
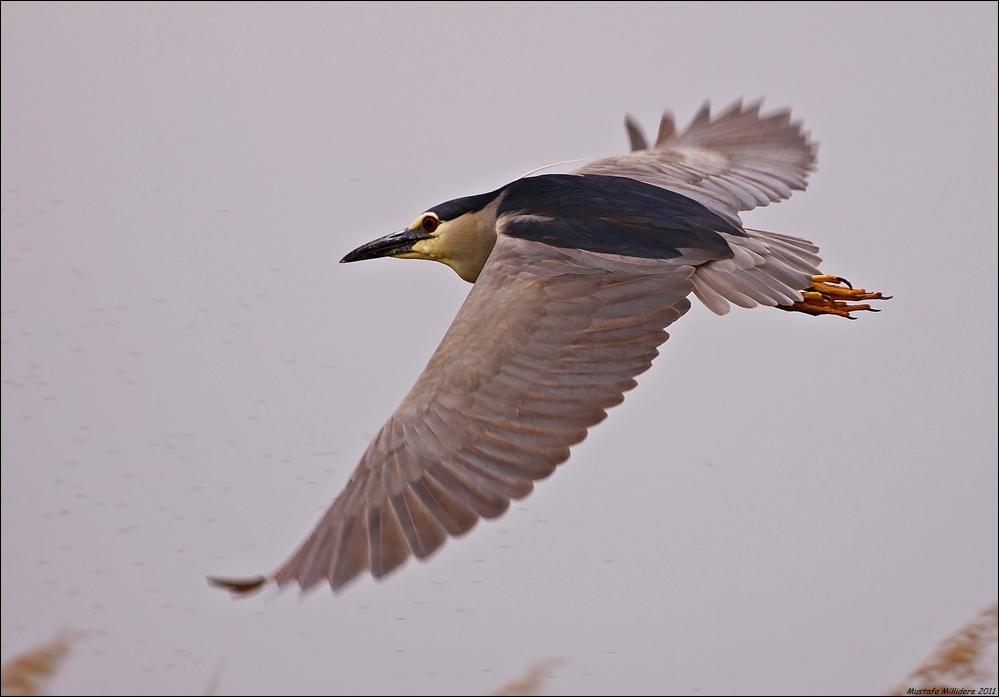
(460, 233)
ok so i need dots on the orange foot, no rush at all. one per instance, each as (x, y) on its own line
(832, 295)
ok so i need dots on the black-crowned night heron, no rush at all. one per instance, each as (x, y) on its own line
(576, 278)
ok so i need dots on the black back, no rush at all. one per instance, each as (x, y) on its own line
(612, 215)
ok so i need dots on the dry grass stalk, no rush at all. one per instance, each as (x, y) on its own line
(532, 682)
(29, 672)
(964, 660)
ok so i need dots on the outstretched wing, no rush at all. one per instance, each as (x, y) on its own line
(546, 341)
(732, 163)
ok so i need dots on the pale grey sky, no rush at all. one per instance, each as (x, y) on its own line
(785, 504)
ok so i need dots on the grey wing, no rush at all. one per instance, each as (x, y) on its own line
(732, 163)
(546, 341)
(735, 162)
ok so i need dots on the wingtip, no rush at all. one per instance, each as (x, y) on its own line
(703, 115)
(667, 128)
(636, 137)
(753, 106)
(238, 587)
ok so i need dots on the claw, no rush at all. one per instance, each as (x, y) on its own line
(833, 295)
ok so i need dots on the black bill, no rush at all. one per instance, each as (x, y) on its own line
(390, 245)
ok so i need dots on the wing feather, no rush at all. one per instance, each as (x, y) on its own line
(423, 531)
(351, 556)
(452, 514)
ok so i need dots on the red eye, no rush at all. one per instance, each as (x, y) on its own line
(430, 223)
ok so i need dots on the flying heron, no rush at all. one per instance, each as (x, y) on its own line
(576, 277)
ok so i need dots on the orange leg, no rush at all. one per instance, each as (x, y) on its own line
(833, 295)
